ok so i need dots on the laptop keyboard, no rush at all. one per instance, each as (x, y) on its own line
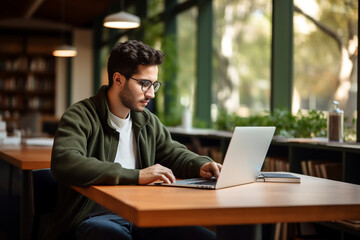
(205, 183)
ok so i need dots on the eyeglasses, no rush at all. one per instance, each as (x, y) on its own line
(146, 84)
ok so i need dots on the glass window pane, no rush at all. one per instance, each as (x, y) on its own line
(186, 57)
(179, 68)
(104, 53)
(325, 56)
(155, 7)
(242, 53)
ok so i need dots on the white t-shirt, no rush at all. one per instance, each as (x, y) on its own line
(125, 155)
(126, 151)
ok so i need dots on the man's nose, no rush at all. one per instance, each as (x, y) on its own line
(150, 93)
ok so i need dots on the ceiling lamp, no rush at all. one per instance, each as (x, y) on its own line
(122, 20)
(65, 51)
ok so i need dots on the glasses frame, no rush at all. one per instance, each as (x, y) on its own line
(156, 85)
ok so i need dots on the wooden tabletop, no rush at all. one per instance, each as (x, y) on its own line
(27, 157)
(314, 199)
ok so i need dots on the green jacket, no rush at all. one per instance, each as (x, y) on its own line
(84, 150)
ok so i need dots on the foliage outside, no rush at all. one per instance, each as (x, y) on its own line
(305, 125)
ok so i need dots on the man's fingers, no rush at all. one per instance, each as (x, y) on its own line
(165, 179)
(166, 174)
(215, 169)
(211, 169)
(171, 176)
(156, 172)
(207, 174)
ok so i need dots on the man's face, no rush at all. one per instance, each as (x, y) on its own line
(131, 95)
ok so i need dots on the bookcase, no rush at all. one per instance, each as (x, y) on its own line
(27, 83)
(27, 74)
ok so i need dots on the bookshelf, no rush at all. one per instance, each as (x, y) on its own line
(27, 75)
(341, 160)
(27, 83)
(283, 154)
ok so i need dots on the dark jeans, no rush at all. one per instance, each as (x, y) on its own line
(112, 226)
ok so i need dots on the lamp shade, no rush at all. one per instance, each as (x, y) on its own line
(65, 51)
(122, 20)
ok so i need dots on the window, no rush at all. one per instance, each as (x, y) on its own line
(325, 56)
(242, 55)
(186, 49)
(155, 7)
(178, 73)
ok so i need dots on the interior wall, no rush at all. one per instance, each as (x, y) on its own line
(82, 66)
(60, 86)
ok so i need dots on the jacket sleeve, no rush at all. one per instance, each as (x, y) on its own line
(183, 162)
(78, 161)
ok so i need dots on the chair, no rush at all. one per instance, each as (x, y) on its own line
(45, 193)
(30, 123)
(49, 125)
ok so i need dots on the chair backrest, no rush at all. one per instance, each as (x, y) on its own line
(30, 123)
(49, 125)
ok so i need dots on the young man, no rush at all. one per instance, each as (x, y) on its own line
(112, 139)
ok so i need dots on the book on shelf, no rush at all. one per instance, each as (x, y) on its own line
(216, 154)
(278, 177)
(304, 168)
(311, 165)
(331, 170)
(276, 163)
(322, 168)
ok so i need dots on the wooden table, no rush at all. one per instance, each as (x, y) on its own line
(313, 200)
(26, 158)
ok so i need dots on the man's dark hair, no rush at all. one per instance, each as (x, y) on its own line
(126, 56)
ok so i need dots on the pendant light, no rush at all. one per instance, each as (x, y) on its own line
(64, 50)
(122, 20)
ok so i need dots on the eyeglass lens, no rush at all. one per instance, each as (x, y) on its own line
(146, 85)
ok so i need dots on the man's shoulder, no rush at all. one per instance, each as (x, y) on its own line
(82, 105)
(145, 117)
(81, 108)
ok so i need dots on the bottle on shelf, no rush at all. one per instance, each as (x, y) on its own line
(336, 123)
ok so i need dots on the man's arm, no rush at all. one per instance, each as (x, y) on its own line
(82, 158)
(171, 154)
(175, 156)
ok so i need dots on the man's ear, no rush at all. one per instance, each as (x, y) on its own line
(118, 79)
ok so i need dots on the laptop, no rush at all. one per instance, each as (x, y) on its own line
(242, 163)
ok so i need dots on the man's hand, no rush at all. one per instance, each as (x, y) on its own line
(156, 172)
(210, 169)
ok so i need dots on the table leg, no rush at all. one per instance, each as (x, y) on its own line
(236, 232)
(27, 205)
(10, 180)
